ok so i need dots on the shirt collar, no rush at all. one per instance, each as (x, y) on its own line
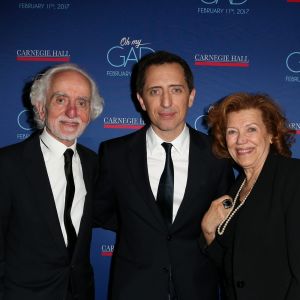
(180, 144)
(54, 146)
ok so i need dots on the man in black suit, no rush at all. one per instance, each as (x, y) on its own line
(157, 255)
(45, 203)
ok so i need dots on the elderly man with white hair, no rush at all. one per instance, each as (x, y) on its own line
(46, 185)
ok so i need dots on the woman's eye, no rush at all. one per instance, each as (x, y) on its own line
(251, 129)
(230, 132)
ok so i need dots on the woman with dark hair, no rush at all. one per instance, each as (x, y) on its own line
(253, 233)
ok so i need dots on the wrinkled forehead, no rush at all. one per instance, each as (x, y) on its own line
(70, 82)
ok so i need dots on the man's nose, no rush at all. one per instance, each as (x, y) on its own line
(166, 100)
(71, 109)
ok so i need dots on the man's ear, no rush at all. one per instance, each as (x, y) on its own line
(192, 97)
(40, 108)
(141, 101)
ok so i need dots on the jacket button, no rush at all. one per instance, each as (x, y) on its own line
(240, 284)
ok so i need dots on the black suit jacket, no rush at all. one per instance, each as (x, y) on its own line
(145, 249)
(260, 249)
(34, 261)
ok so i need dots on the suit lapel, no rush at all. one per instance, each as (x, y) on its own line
(36, 173)
(197, 170)
(137, 162)
(88, 181)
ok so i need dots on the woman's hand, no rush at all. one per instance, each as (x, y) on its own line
(217, 212)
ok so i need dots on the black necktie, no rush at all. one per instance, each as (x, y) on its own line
(165, 190)
(70, 191)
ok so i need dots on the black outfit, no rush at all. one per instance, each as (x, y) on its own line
(34, 260)
(148, 252)
(259, 251)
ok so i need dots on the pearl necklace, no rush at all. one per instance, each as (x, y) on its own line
(222, 226)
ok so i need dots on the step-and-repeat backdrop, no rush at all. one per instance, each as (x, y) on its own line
(231, 45)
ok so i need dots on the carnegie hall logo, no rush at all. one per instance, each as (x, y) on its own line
(221, 60)
(292, 63)
(107, 250)
(295, 127)
(57, 55)
(112, 122)
(122, 56)
(219, 7)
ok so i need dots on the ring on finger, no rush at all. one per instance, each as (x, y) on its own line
(227, 203)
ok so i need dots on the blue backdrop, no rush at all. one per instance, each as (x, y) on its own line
(231, 45)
